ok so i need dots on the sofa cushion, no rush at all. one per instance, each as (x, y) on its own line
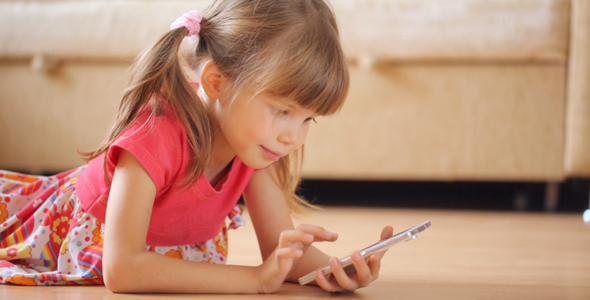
(500, 30)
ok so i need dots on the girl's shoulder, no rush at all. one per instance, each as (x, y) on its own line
(158, 140)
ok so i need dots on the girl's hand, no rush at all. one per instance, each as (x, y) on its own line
(365, 273)
(292, 245)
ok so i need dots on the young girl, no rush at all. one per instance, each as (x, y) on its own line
(147, 213)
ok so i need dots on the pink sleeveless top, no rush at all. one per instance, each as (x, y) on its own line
(180, 215)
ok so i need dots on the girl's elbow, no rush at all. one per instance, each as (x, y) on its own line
(110, 280)
(111, 284)
(116, 280)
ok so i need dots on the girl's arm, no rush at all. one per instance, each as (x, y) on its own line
(270, 215)
(128, 267)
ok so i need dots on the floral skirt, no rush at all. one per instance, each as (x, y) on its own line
(47, 238)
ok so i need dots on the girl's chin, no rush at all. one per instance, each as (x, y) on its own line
(258, 163)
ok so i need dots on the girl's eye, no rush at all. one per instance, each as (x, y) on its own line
(310, 119)
(279, 112)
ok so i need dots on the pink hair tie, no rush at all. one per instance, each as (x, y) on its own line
(191, 21)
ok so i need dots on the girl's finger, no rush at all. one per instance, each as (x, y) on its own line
(340, 275)
(363, 271)
(387, 232)
(318, 232)
(286, 253)
(325, 284)
(375, 265)
(288, 237)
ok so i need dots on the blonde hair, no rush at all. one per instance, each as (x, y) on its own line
(282, 47)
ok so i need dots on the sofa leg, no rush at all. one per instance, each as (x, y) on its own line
(551, 196)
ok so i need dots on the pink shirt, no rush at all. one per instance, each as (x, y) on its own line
(180, 215)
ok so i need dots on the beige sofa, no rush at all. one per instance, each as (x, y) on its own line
(441, 90)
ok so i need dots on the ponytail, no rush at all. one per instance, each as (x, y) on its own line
(158, 72)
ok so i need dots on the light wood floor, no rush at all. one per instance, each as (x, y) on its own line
(464, 255)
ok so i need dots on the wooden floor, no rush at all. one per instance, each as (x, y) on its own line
(464, 255)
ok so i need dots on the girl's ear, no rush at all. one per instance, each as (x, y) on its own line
(212, 80)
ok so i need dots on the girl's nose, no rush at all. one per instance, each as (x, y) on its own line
(287, 137)
(291, 135)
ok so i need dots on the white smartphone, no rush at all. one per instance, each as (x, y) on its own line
(375, 248)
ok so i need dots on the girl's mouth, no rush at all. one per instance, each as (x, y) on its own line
(274, 156)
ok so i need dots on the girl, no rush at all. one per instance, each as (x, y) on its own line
(180, 155)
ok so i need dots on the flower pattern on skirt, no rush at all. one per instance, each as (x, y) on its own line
(47, 238)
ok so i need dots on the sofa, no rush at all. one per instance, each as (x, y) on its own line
(484, 90)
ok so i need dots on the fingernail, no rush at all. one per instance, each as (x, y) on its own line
(331, 234)
(356, 256)
(298, 252)
(308, 236)
(333, 262)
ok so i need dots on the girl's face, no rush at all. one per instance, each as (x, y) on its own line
(263, 128)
